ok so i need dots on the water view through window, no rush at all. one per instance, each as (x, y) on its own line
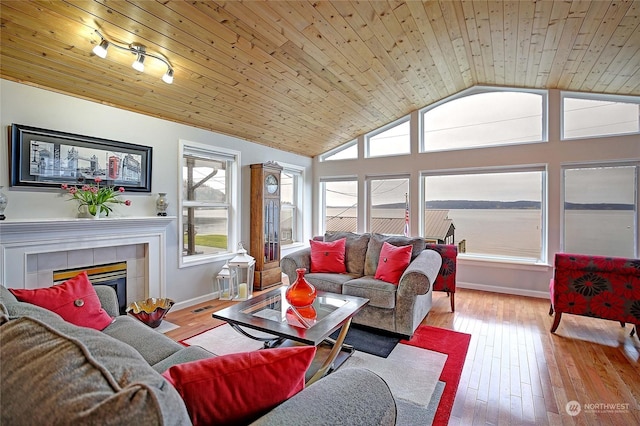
(600, 208)
(494, 214)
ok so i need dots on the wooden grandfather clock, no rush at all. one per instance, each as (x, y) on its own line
(265, 224)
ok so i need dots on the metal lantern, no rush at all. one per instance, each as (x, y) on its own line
(242, 268)
(226, 283)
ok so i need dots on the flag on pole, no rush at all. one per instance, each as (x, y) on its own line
(406, 215)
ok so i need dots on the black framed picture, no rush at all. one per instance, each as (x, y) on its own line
(47, 158)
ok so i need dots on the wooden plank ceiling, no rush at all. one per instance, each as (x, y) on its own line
(307, 76)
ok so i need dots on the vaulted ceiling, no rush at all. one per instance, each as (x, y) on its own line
(307, 76)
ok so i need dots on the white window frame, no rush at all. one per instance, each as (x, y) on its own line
(544, 241)
(570, 166)
(233, 223)
(327, 155)
(594, 97)
(476, 90)
(298, 197)
(368, 136)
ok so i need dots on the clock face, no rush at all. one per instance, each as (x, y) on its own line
(271, 182)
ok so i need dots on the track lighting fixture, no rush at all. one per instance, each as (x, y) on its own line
(137, 49)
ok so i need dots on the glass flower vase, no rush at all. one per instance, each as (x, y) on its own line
(301, 293)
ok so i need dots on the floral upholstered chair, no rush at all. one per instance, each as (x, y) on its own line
(596, 286)
(446, 280)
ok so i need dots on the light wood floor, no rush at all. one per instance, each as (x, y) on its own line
(516, 371)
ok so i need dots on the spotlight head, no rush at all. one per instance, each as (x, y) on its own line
(101, 49)
(168, 76)
(138, 64)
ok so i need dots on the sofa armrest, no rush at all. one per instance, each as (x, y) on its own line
(108, 299)
(420, 275)
(295, 260)
(338, 398)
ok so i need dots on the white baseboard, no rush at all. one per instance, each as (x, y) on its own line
(191, 302)
(505, 290)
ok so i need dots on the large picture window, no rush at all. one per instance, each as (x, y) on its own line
(484, 119)
(601, 209)
(340, 205)
(208, 196)
(495, 214)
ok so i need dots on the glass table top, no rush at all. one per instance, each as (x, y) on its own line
(270, 313)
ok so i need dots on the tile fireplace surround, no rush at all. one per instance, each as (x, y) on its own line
(30, 249)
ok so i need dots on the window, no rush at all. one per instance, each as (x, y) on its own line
(340, 203)
(347, 151)
(393, 139)
(601, 210)
(588, 116)
(387, 205)
(484, 119)
(290, 206)
(493, 213)
(209, 185)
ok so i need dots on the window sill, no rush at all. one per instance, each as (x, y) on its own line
(502, 262)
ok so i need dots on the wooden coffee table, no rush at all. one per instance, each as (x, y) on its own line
(270, 313)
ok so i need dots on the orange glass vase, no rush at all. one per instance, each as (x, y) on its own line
(301, 293)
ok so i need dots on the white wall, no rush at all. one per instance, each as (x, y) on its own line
(525, 279)
(26, 105)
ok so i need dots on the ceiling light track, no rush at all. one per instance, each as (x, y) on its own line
(137, 49)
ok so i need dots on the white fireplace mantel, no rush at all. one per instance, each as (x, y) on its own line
(20, 238)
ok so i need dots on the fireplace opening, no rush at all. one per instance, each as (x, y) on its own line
(113, 275)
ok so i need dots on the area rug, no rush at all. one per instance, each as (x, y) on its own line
(366, 340)
(455, 345)
(420, 379)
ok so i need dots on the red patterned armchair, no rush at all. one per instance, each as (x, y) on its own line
(446, 280)
(596, 286)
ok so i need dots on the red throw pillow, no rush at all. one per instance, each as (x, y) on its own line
(328, 256)
(239, 388)
(75, 301)
(392, 262)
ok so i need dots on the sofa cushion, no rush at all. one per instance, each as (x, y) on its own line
(355, 250)
(238, 388)
(381, 294)
(328, 282)
(64, 374)
(75, 300)
(392, 262)
(375, 246)
(328, 256)
(153, 346)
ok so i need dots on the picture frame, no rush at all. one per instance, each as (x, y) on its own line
(47, 159)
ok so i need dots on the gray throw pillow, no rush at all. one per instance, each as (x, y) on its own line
(375, 246)
(355, 250)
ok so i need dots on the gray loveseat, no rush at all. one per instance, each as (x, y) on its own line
(398, 309)
(53, 372)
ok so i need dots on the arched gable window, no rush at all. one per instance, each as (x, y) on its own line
(484, 117)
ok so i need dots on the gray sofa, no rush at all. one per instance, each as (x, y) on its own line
(398, 309)
(53, 372)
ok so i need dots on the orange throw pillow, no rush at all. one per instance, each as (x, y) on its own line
(392, 262)
(75, 301)
(328, 256)
(239, 388)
